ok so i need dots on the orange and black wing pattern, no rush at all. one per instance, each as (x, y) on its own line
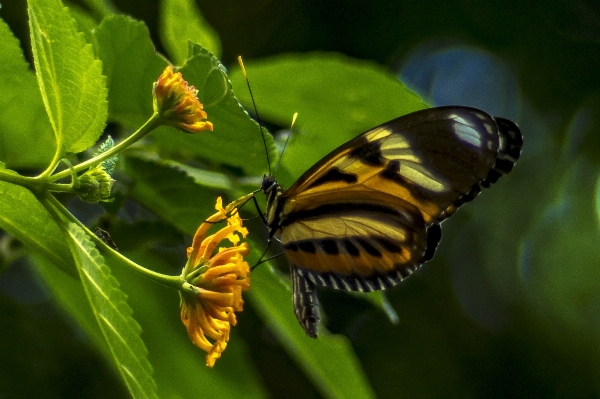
(368, 214)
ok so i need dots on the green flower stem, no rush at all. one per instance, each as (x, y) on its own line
(53, 163)
(32, 183)
(177, 282)
(150, 125)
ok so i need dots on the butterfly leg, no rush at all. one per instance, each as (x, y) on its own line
(306, 303)
(262, 216)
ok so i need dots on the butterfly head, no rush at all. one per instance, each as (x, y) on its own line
(268, 184)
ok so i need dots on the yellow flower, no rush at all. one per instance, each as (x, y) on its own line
(219, 278)
(177, 103)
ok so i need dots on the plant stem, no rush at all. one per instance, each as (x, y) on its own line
(32, 183)
(150, 125)
(53, 164)
(176, 282)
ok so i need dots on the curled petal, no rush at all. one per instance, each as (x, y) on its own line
(177, 103)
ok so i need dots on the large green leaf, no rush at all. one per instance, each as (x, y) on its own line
(26, 139)
(131, 66)
(113, 314)
(336, 98)
(22, 215)
(181, 20)
(328, 361)
(70, 79)
(69, 293)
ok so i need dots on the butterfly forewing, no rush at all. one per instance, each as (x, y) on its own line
(431, 158)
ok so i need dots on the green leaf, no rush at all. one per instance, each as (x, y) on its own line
(336, 98)
(203, 177)
(236, 139)
(85, 22)
(109, 163)
(131, 66)
(170, 193)
(23, 119)
(120, 330)
(181, 20)
(181, 371)
(70, 79)
(69, 293)
(22, 215)
(103, 8)
(329, 361)
(379, 300)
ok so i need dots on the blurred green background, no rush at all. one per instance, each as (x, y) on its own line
(510, 305)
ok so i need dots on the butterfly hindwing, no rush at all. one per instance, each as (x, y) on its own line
(355, 235)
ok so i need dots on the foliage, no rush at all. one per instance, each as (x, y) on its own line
(513, 289)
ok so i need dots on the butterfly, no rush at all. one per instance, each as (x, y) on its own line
(368, 214)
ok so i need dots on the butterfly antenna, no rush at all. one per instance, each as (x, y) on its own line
(286, 141)
(241, 62)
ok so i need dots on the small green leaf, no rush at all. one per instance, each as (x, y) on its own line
(336, 98)
(23, 119)
(329, 361)
(70, 79)
(232, 125)
(110, 163)
(181, 20)
(22, 215)
(113, 314)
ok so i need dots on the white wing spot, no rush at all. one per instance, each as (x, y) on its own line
(466, 132)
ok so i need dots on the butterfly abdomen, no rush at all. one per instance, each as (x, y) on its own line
(306, 303)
